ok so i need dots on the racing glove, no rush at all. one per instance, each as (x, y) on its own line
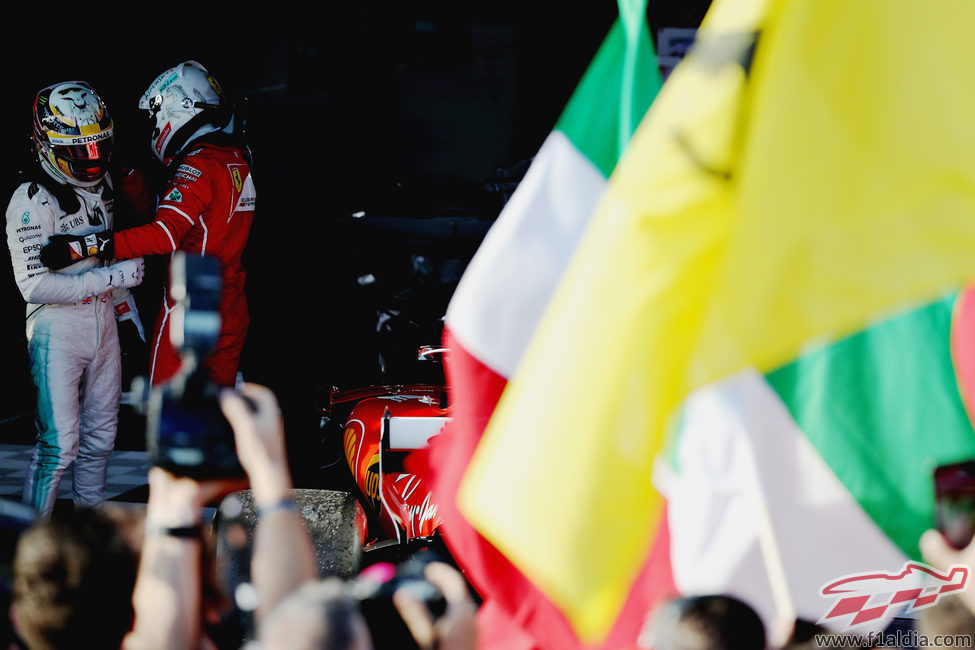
(64, 250)
(132, 343)
(127, 273)
(127, 312)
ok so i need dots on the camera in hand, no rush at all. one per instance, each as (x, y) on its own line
(374, 590)
(186, 432)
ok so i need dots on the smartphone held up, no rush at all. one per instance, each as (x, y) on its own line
(954, 486)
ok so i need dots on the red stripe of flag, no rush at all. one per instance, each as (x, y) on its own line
(515, 614)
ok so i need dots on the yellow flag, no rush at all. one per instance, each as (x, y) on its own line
(807, 169)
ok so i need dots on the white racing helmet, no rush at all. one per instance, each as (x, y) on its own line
(183, 102)
(73, 133)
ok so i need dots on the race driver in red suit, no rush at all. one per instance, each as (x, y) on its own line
(207, 208)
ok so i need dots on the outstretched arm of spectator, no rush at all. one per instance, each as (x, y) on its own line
(456, 629)
(284, 556)
(167, 596)
(938, 553)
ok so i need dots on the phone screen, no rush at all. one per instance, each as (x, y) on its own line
(955, 502)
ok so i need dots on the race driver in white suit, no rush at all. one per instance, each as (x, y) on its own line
(72, 335)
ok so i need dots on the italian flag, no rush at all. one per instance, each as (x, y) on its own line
(759, 309)
(832, 455)
(500, 299)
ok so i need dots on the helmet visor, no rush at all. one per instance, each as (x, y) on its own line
(85, 162)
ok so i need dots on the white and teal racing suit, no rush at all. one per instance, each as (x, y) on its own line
(72, 338)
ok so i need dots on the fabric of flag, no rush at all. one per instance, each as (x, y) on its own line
(839, 446)
(507, 284)
(499, 301)
(804, 175)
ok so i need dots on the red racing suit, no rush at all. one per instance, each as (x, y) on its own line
(207, 208)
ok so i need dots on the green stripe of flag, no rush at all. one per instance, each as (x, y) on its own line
(883, 409)
(511, 278)
(623, 71)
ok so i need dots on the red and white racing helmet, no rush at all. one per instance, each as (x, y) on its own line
(183, 101)
(73, 133)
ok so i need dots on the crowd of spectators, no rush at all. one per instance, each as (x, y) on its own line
(141, 578)
(120, 576)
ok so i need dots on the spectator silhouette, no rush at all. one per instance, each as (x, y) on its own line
(712, 622)
(73, 581)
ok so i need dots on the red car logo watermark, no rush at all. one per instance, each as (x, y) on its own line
(867, 597)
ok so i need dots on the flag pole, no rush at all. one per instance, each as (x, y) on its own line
(775, 570)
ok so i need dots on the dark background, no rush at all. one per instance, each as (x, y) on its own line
(421, 114)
